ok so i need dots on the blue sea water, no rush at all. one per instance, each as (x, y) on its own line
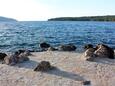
(28, 34)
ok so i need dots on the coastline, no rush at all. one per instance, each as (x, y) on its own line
(71, 70)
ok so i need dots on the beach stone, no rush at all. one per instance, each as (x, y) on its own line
(43, 66)
(51, 49)
(87, 46)
(15, 58)
(44, 46)
(89, 54)
(11, 59)
(67, 47)
(22, 57)
(86, 82)
(2, 56)
(21, 51)
(26, 52)
(104, 51)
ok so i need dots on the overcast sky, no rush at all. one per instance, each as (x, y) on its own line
(45, 9)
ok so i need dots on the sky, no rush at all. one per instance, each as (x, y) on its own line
(40, 10)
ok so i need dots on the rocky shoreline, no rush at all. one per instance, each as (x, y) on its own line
(59, 67)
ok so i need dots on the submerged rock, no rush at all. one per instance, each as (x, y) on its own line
(43, 66)
(67, 47)
(104, 51)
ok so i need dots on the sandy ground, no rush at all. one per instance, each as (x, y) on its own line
(71, 70)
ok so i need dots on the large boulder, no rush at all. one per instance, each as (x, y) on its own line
(104, 51)
(44, 46)
(43, 66)
(67, 47)
(2, 56)
(89, 54)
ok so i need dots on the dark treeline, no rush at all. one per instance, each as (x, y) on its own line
(89, 18)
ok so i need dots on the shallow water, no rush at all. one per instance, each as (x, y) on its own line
(28, 35)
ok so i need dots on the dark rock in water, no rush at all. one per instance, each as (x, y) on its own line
(87, 46)
(67, 47)
(86, 82)
(89, 54)
(2, 56)
(104, 51)
(43, 66)
(44, 46)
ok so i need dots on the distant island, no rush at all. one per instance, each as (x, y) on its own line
(86, 18)
(4, 19)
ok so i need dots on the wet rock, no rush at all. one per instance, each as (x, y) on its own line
(67, 47)
(87, 46)
(104, 51)
(2, 56)
(44, 46)
(43, 66)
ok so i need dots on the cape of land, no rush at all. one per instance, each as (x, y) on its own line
(4, 19)
(85, 18)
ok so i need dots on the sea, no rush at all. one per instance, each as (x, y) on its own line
(29, 34)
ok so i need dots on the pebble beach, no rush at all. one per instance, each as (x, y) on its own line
(70, 70)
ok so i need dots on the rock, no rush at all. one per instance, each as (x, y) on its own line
(89, 54)
(22, 57)
(11, 60)
(51, 49)
(15, 58)
(104, 51)
(44, 46)
(86, 83)
(43, 66)
(2, 56)
(26, 52)
(67, 47)
(87, 46)
(21, 51)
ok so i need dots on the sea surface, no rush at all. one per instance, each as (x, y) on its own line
(28, 34)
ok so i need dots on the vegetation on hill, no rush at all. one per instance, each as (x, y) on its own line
(4, 19)
(87, 18)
